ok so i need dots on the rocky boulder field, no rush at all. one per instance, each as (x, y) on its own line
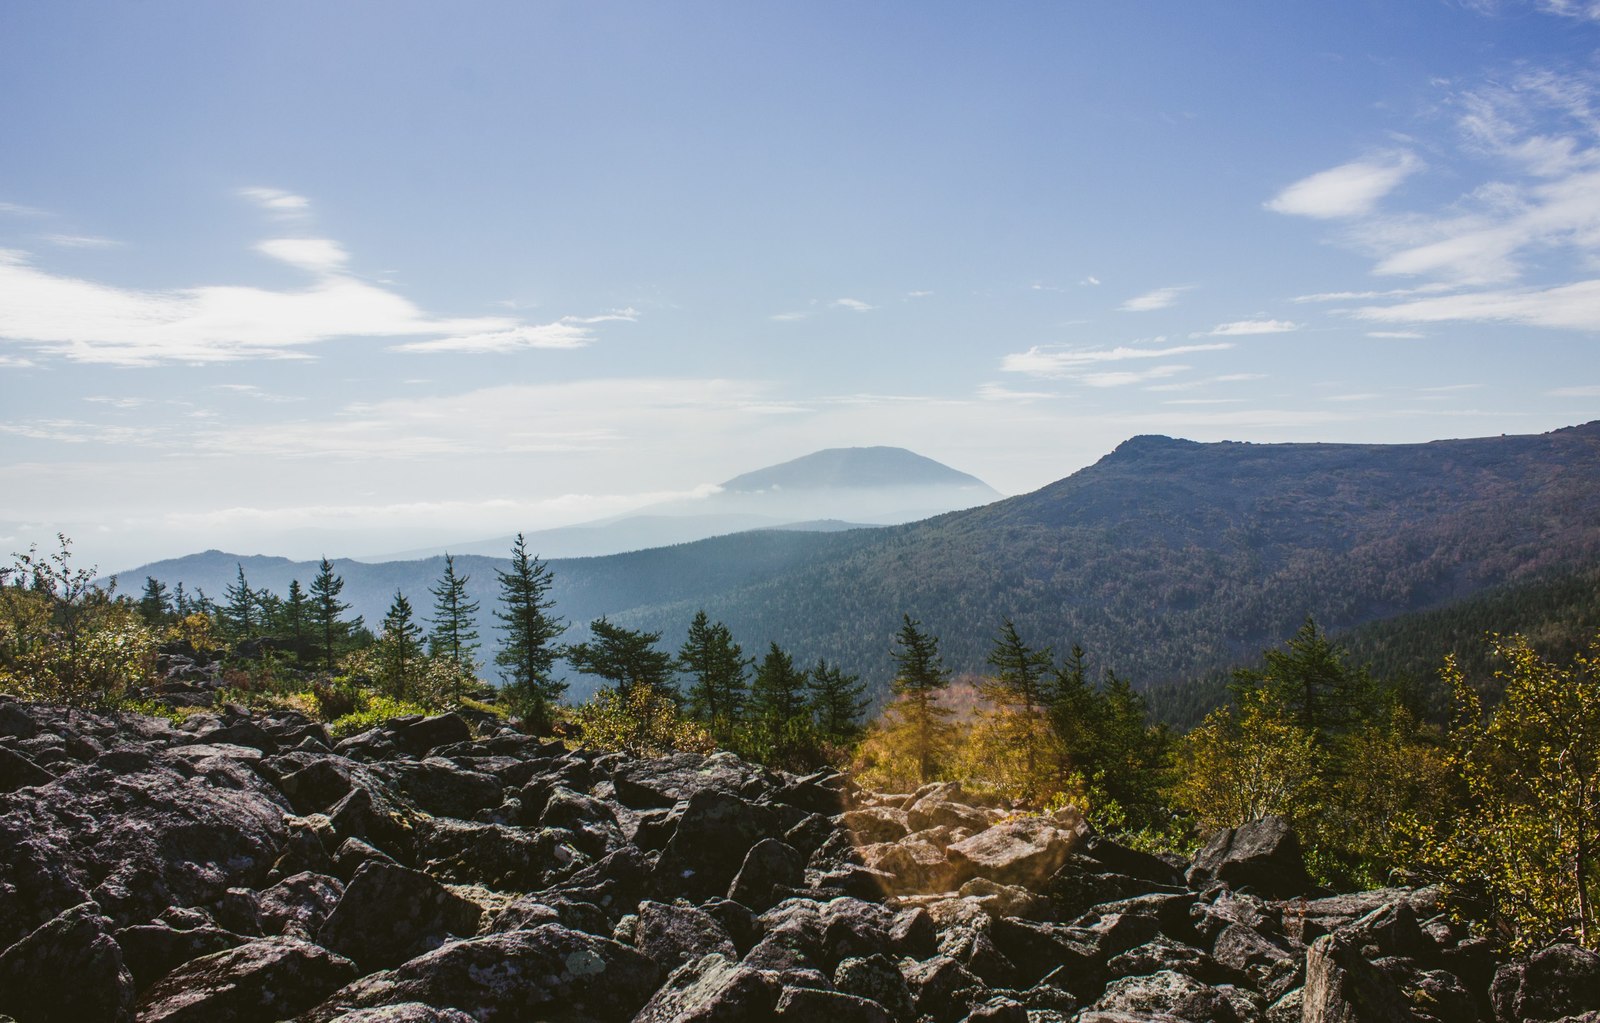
(248, 868)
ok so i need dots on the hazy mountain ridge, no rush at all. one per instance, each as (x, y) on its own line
(1166, 559)
(857, 468)
(826, 490)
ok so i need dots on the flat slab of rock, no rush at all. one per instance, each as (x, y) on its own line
(258, 982)
(545, 972)
(1024, 852)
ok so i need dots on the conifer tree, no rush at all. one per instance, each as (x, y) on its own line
(778, 694)
(1018, 687)
(627, 658)
(296, 614)
(527, 651)
(1310, 678)
(400, 646)
(454, 619)
(326, 608)
(154, 607)
(716, 667)
(838, 701)
(240, 613)
(920, 680)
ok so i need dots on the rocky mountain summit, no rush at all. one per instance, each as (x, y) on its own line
(248, 868)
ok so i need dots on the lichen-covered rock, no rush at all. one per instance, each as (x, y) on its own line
(713, 835)
(769, 865)
(1562, 980)
(673, 935)
(69, 970)
(1025, 851)
(134, 841)
(807, 1005)
(877, 978)
(298, 906)
(1178, 995)
(258, 982)
(539, 973)
(153, 950)
(1263, 856)
(1343, 986)
(712, 989)
(389, 914)
(407, 1012)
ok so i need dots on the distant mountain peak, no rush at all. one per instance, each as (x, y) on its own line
(852, 468)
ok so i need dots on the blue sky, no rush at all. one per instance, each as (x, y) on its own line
(281, 277)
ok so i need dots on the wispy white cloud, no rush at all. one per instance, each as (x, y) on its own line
(316, 255)
(1150, 301)
(561, 334)
(12, 209)
(1349, 190)
(1584, 391)
(918, 294)
(282, 204)
(87, 322)
(1000, 392)
(1362, 396)
(1128, 377)
(1054, 361)
(125, 404)
(1586, 10)
(1241, 328)
(1354, 296)
(1190, 385)
(259, 394)
(81, 241)
(1569, 306)
(855, 305)
(793, 317)
(1091, 281)
(1400, 335)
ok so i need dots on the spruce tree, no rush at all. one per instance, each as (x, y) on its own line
(838, 701)
(716, 667)
(153, 605)
(527, 652)
(454, 619)
(296, 613)
(400, 646)
(777, 696)
(1018, 687)
(778, 708)
(326, 607)
(1310, 677)
(920, 679)
(240, 612)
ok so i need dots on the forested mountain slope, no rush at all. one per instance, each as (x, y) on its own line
(1165, 560)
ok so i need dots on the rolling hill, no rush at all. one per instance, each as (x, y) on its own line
(1167, 559)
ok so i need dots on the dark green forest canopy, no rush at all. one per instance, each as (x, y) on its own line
(1167, 560)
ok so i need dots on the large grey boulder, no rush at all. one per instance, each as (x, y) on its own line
(712, 989)
(1263, 856)
(258, 982)
(69, 970)
(1562, 980)
(390, 914)
(549, 971)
